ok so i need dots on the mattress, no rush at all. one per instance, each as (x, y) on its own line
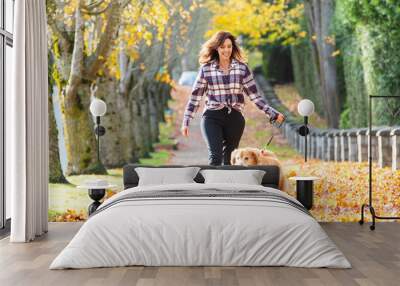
(201, 225)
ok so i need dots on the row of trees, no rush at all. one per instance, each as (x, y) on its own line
(129, 48)
(350, 52)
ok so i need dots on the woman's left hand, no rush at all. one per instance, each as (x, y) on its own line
(280, 118)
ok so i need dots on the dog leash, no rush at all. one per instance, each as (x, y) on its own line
(277, 126)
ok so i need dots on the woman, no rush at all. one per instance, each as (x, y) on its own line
(225, 77)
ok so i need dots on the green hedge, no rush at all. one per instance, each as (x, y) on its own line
(368, 36)
(354, 113)
(373, 52)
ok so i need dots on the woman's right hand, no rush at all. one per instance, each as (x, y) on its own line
(280, 118)
(185, 131)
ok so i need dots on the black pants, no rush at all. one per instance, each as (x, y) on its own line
(222, 132)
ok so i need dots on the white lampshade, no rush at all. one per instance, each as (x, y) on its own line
(305, 107)
(98, 107)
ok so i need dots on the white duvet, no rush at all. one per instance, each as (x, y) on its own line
(200, 231)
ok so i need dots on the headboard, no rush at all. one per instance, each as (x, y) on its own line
(270, 179)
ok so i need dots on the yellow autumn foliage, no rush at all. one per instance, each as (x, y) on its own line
(261, 21)
(335, 53)
(71, 216)
(343, 188)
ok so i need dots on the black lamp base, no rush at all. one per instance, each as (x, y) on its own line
(96, 195)
(303, 130)
(304, 193)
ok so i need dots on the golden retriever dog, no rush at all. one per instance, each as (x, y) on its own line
(253, 156)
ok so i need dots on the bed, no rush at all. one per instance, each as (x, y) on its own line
(201, 224)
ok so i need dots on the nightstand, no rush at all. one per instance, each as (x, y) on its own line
(96, 191)
(304, 190)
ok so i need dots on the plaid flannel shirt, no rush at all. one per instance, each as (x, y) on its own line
(225, 90)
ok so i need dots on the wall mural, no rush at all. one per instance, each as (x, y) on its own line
(121, 74)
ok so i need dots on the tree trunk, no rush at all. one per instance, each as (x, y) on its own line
(163, 94)
(153, 114)
(55, 171)
(145, 116)
(118, 146)
(139, 124)
(80, 141)
(319, 15)
(166, 94)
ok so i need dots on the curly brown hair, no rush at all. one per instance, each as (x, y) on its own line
(209, 50)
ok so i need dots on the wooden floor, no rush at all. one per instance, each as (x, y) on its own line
(375, 257)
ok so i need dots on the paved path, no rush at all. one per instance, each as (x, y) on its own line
(192, 149)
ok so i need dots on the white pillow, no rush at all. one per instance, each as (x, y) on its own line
(162, 176)
(249, 177)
